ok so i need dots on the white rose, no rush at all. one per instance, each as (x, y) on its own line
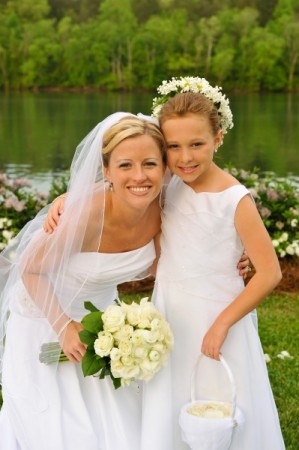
(294, 223)
(140, 352)
(113, 318)
(104, 343)
(154, 355)
(133, 313)
(125, 332)
(138, 338)
(115, 354)
(275, 243)
(125, 347)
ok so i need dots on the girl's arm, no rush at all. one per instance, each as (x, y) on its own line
(267, 275)
(54, 213)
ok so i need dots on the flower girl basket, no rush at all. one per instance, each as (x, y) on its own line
(209, 424)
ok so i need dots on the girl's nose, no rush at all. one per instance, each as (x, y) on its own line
(185, 155)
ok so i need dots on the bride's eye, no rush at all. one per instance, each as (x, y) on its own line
(125, 165)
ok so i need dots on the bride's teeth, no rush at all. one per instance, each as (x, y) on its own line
(139, 189)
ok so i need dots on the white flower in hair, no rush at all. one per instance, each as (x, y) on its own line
(195, 84)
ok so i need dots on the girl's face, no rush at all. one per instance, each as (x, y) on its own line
(136, 171)
(190, 147)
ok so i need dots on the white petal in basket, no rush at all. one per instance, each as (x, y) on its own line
(209, 425)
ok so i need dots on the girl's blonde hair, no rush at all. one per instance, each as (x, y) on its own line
(191, 103)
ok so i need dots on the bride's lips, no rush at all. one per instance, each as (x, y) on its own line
(139, 190)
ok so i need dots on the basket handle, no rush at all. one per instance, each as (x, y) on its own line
(230, 376)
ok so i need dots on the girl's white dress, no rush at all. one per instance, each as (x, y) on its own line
(55, 407)
(197, 278)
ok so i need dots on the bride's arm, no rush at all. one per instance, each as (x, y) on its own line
(38, 261)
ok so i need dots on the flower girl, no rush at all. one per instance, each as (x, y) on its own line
(208, 219)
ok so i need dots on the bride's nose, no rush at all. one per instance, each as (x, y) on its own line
(139, 174)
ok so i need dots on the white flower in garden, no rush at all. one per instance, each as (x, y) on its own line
(267, 357)
(104, 343)
(275, 243)
(294, 223)
(284, 354)
(284, 237)
(290, 250)
(113, 318)
(279, 225)
(7, 234)
(282, 253)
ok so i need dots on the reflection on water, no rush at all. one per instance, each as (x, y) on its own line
(39, 132)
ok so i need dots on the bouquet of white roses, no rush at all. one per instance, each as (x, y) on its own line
(125, 342)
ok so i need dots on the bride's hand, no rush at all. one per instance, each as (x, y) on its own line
(244, 266)
(55, 211)
(71, 344)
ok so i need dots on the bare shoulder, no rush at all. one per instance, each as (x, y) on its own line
(226, 180)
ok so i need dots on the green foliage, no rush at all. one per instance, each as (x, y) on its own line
(277, 200)
(129, 44)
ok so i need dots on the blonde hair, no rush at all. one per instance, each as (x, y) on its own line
(130, 127)
(191, 103)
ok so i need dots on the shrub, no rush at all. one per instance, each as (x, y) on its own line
(277, 200)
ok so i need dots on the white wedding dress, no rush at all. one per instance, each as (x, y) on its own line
(56, 408)
(196, 279)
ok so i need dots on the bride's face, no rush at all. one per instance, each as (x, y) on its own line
(136, 171)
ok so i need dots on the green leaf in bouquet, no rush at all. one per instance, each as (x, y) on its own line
(116, 381)
(91, 363)
(90, 307)
(93, 322)
(88, 338)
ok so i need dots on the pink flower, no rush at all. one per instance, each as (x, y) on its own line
(272, 195)
(20, 182)
(3, 178)
(13, 202)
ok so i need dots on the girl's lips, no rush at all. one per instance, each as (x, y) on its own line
(189, 169)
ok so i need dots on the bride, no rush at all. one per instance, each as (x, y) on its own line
(106, 237)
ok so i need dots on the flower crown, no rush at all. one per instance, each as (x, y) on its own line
(195, 84)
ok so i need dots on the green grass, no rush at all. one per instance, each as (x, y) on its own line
(279, 330)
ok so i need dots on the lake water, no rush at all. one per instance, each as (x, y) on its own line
(39, 132)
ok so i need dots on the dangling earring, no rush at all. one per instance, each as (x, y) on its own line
(110, 184)
(216, 150)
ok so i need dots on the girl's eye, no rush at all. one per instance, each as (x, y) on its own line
(125, 165)
(150, 164)
(196, 144)
(172, 146)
